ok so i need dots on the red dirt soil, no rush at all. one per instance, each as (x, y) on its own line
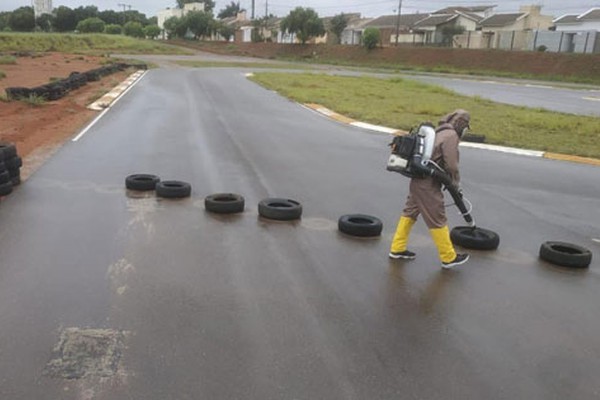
(38, 131)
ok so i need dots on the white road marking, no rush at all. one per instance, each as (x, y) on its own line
(596, 240)
(539, 86)
(87, 128)
(592, 98)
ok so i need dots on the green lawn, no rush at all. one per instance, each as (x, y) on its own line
(83, 43)
(402, 103)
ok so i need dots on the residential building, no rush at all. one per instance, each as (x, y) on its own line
(479, 12)
(588, 21)
(329, 37)
(389, 25)
(352, 35)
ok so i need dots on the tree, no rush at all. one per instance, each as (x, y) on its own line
(113, 29)
(22, 19)
(91, 25)
(133, 29)
(134, 16)
(45, 22)
(4, 16)
(111, 17)
(86, 12)
(448, 33)
(175, 27)
(209, 5)
(371, 38)
(65, 19)
(304, 22)
(231, 10)
(226, 31)
(199, 22)
(338, 24)
(151, 31)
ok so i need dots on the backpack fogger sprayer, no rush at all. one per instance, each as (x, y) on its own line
(411, 157)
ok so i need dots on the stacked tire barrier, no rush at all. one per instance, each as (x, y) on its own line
(10, 168)
(58, 89)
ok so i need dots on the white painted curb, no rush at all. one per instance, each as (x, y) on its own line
(106, 100)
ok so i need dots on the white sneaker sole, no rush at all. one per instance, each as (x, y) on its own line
(450, 266)
(397, 257)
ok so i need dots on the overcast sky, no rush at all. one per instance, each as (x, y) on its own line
(367, 8)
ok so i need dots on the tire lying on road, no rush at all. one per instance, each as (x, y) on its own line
(224, 203)
(141, 182)
(565, 254)
(474, 238)
(173, 189)
(360, 225)
(280, 209)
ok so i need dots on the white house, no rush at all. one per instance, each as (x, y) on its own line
(588, 21)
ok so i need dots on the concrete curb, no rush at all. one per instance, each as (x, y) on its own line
(511, 150)
(106, 100)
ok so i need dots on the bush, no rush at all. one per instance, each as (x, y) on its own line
(371, 38)
(133, 29)
(2, 75)
(152, 31)
(113, 29)
(91, 25)
(542, 48)
(4, 60)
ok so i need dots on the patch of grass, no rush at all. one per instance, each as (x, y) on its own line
(34, 101)
(83, 44)
(240, 64)
(5, 60)
(402, 103)
(3, 98)
(2, 74)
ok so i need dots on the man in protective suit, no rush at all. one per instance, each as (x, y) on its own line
(426, 197)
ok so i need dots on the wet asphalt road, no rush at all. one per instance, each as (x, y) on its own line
(243, 308)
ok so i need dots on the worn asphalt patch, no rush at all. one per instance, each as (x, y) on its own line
(82, 353)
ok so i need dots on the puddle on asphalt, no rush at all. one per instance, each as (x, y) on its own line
(82, 353)
(319, 224)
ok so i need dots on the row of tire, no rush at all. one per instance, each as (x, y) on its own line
(10, 168)
(58, 89)
(279, 209)
(361, 225)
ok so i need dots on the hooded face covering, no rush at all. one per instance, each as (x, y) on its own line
(459, 119)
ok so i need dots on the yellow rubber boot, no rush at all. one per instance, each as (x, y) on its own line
(400, 240)
(441, 238)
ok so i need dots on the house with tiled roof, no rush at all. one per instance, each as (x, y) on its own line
(588, 21)
(388, 25)
(479, 11)
(528, 18)
(352, 35)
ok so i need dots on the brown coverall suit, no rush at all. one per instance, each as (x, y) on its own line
(426, 195)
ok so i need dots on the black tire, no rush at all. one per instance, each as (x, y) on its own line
(13, 162)
(224, 203)
(173, 189)
(7, 151)
(4, 177)
(2, 165)
(475, 238)
(141, 182)
(6, 189)
(16, 180)
(565, 254)
(280, 209)
(13, 172)
(360, 225)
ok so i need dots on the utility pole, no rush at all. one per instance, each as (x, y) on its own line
(252, 9)
(398, 21)
(266, 8)
(125, 6)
